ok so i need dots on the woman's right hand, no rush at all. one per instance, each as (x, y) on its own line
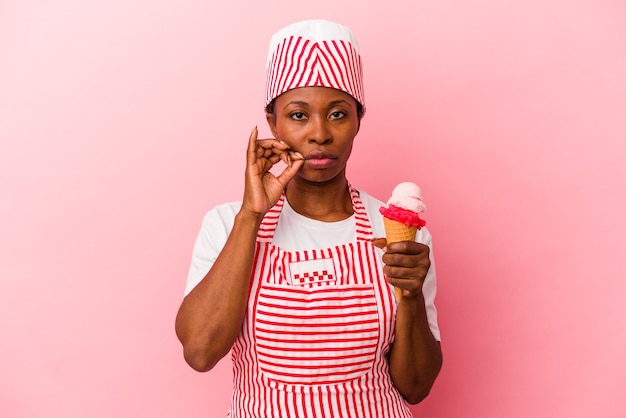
(262, 188)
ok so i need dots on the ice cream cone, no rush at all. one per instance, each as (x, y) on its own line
(401, 216)
(397, 231)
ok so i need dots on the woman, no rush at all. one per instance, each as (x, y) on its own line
(294, 279)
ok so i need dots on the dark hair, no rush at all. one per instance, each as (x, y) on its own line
(360, 109)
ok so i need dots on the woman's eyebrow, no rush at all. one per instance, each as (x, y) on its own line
(336, 102)
(331, 104)
(297, 102)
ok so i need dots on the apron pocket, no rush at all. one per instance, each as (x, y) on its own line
(324, 335)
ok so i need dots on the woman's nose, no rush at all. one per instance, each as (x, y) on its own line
(319, 131)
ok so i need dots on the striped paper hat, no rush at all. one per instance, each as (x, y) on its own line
(313, 53)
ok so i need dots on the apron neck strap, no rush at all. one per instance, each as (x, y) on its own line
(363, 226)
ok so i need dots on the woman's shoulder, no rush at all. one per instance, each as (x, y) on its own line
(223, 213)
(369, 200)
(227, 208)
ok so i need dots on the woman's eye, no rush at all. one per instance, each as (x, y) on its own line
(297, 115)
(337, 115)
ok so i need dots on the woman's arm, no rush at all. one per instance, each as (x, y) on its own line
(210, 316)
(415, 357)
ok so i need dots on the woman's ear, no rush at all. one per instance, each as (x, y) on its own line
(271, 122)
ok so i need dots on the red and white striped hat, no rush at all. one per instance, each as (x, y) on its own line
(313, 53)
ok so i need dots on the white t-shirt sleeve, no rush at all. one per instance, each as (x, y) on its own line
(429, 287)
(216, 227)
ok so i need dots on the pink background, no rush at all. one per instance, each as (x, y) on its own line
(122, 122)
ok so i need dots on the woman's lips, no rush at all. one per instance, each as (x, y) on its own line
(319, 160)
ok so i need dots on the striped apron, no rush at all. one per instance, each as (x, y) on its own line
(317, 330)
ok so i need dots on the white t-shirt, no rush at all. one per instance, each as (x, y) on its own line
(218, 223)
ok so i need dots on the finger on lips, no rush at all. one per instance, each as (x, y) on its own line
(271, 149)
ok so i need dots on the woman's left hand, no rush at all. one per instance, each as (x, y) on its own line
(406, 265)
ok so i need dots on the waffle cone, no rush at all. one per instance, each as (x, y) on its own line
(397, 231)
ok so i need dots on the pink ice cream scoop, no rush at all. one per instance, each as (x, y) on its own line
(404, 205)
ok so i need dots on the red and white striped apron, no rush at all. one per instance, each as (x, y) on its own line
(317, 330)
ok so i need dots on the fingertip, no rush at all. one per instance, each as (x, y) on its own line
(297, 164)
(379, 242)
(253, 135)
(252, 145)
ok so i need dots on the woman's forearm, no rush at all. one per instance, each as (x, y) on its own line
(210, 316)
(415, 358)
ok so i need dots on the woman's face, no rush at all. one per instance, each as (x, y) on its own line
(321, 124)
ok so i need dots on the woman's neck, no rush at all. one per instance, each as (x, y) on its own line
(328, 202)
